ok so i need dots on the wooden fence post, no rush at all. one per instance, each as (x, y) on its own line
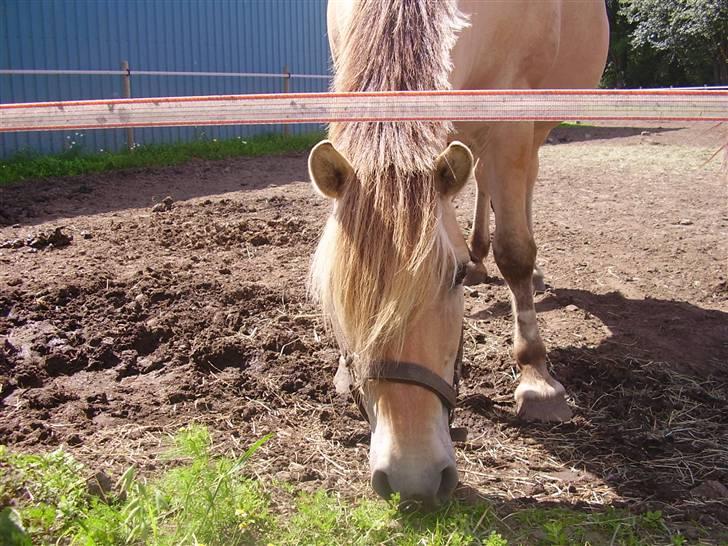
(286, 89)
(126, 93)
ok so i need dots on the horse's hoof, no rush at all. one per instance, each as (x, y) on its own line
(476, 274)
(542, 402)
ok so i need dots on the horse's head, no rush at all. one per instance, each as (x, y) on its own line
(389, 271)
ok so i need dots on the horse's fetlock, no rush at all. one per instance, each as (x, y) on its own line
(479, 247)
(529, 352)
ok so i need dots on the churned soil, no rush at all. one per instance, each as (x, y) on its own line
(125, 315)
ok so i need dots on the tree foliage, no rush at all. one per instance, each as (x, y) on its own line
(667, 42)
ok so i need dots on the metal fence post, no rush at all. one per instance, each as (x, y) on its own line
(286, 89)
(126, 93)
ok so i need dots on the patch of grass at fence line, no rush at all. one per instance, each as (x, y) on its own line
(575, 124)
(29, 166)
(209, 500)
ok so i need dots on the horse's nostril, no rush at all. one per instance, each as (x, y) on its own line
(448, 482)
(418, 495)
(380, 483)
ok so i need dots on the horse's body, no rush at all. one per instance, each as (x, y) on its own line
(385, 265)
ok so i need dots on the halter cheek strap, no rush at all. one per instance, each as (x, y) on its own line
(406, 372)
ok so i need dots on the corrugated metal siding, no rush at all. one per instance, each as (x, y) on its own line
(180, 35)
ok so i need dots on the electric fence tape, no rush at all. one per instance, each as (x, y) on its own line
(488, 105)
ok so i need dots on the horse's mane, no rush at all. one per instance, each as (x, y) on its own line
(383, 250)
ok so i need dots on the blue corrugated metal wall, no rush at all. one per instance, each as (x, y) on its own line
(179, 35)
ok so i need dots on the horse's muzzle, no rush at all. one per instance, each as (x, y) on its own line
(417, 491)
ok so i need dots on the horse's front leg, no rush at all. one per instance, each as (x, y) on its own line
(509, 162)
(480, 234)
(539, 284)
(541, 131)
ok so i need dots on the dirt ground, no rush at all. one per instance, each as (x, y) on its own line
(136, 319)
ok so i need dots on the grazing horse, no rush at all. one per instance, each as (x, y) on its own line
(392, 259)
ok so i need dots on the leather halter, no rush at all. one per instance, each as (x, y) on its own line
(406, 372)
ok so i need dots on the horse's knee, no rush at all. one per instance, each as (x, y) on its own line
(515, 255)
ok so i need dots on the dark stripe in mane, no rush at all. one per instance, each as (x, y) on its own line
(383, 253)
(395, 45)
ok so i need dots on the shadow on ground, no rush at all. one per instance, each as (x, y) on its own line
(651, 417)
(579, 133)
(108, 192)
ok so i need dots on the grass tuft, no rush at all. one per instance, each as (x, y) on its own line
(29, 166)
(207, 500)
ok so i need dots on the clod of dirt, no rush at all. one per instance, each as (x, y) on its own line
(103, 357)
(301, 473)
(166, 204)
(259, 240)
(55, 239)
(48, 398)
(64, 361)
(147, 337)
(710, 489)
(685, 222)
(99, 485)
(221, 352)
(12, 243)
(6, 385)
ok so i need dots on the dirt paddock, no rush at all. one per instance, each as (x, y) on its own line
(149, 318)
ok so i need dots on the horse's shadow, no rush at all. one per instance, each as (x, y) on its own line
(68, 197)
(579, 133)
(651, 416)
(687, 338)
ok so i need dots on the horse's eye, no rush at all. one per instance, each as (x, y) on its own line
(460, 275)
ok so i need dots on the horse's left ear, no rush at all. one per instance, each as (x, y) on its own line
(453, 168)
(329, 170)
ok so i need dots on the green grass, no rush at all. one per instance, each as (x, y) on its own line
(575, 124)
(74, 161)
(208, 500)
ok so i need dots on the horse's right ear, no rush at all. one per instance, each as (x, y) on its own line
(329, 170)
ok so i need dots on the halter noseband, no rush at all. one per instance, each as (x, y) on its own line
(405, 372)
